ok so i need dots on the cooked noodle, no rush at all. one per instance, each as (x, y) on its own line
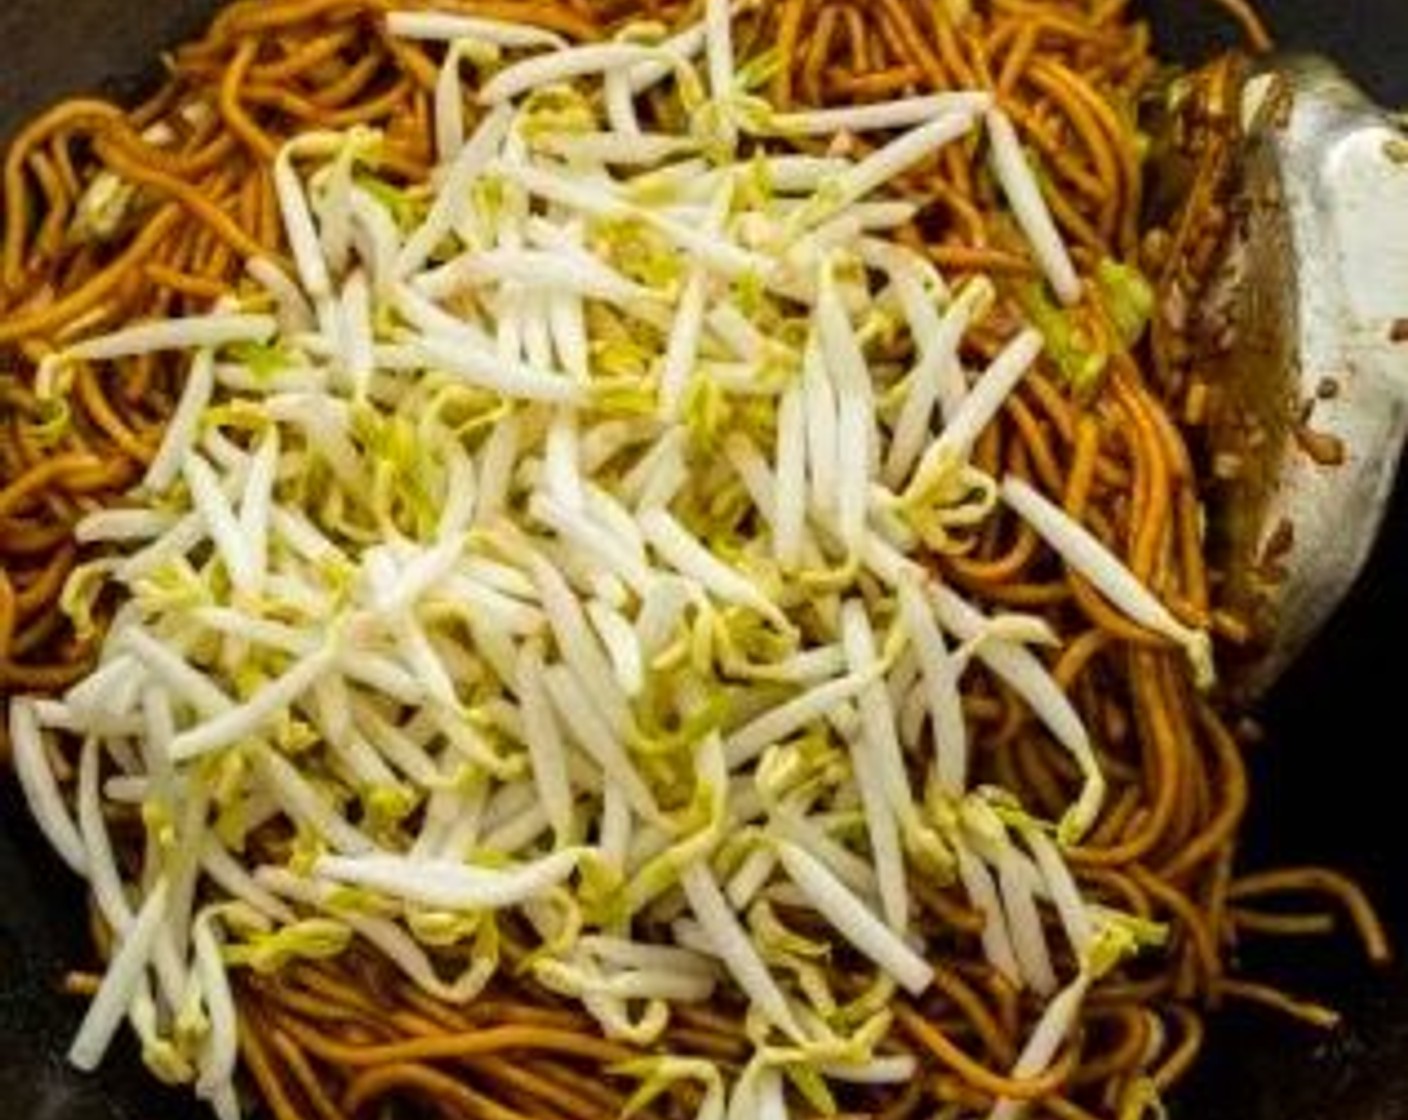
(114, 216)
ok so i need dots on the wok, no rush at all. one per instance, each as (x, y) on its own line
(1326, 788)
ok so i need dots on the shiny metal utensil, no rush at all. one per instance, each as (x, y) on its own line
(1305, 340)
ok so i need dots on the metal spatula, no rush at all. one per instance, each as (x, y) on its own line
(1310, 309)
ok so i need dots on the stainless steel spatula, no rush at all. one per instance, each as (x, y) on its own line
(1311, 364)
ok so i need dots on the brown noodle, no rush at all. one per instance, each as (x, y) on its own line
(339, 1040)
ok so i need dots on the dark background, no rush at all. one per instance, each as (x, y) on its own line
(1327, 789)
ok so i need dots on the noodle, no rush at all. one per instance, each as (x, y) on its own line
(114, 216)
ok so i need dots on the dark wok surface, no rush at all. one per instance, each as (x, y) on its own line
(1326, 789)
